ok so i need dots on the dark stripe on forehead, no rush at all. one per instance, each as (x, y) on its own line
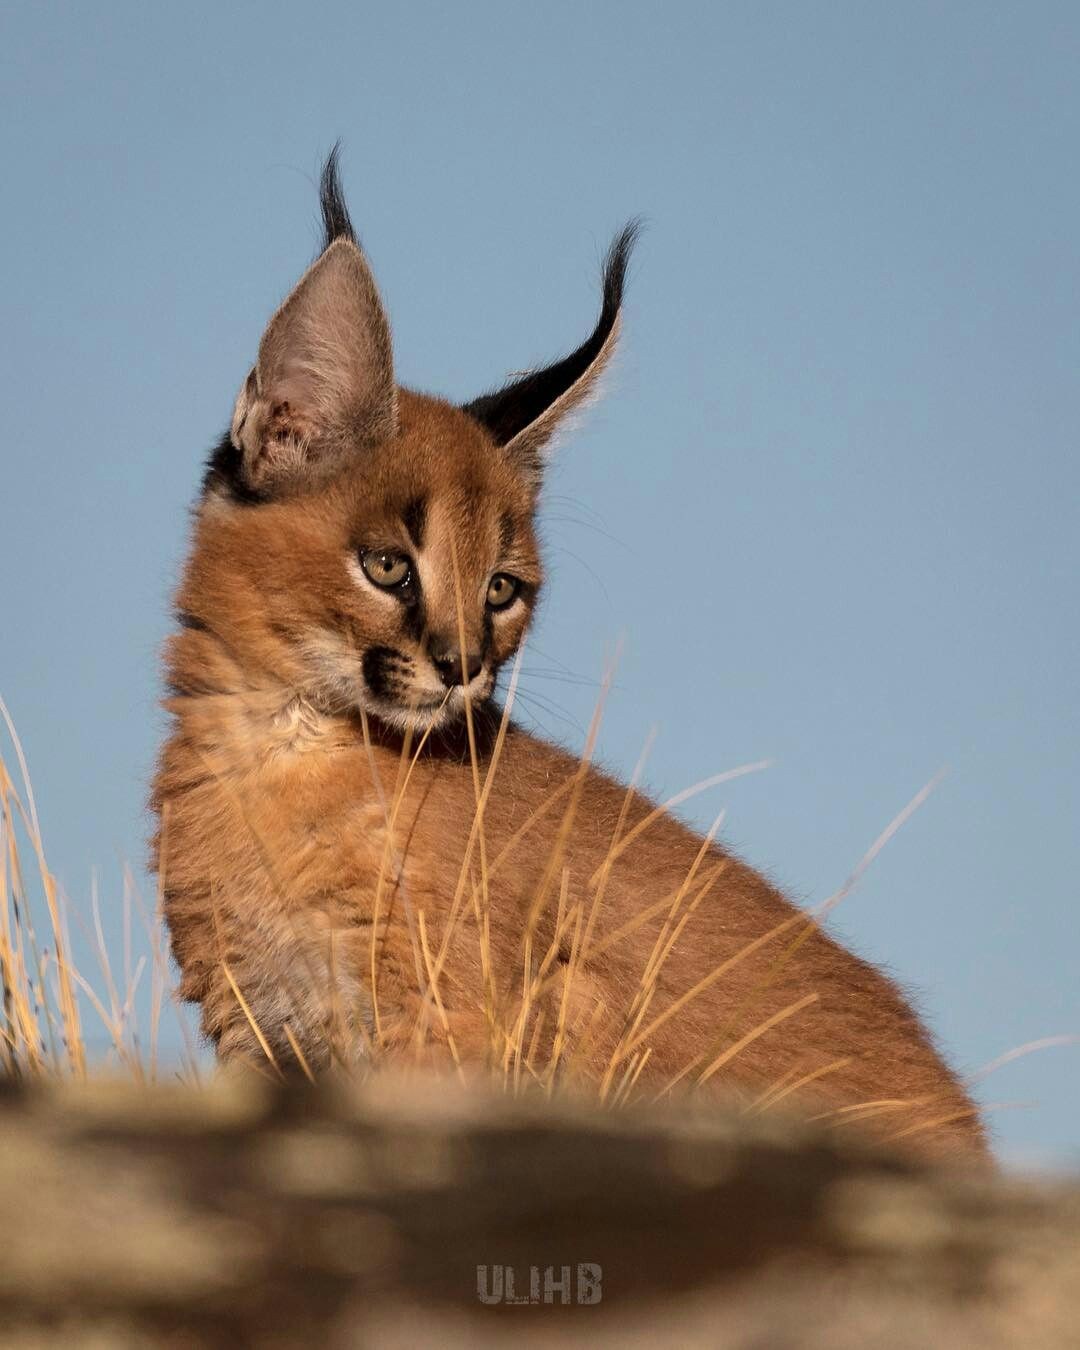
(507, 533)
(414, 620)
(414, 518)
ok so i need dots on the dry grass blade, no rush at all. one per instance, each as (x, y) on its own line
(301, 1058)
(665, 808)
(864, 1110)
(717, 973)
(1019, 1052)
(264, 1044)
(785, 1088)
(37, 1015)
(391, 813)
(767, 1025)
(433, 986)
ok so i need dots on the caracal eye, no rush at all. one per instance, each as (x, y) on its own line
(501, 590)
(386, 569)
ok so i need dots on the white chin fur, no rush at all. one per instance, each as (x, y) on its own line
(430, 716)
(339, 685)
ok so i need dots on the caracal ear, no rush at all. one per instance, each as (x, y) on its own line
(323, 386)
(524, 415)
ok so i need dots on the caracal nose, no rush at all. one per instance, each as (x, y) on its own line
(455, 669)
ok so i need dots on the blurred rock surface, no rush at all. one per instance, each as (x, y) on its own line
(357, 1214)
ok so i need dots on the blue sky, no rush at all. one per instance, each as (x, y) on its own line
(828, 505)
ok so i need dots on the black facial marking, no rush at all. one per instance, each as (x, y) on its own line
(381, 667)
(188, 620)
(414, 518)
(413, 620)
(526, 591)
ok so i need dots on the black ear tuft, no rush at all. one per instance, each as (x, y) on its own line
(508, 411)
(335, 214)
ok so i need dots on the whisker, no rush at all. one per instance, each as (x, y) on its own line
(561, 548)
(585, 525)
(531, 700)
(559, 677)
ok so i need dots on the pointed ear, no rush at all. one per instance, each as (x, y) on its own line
(323, 385)
(524, 415)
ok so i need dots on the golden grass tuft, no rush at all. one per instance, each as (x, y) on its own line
(42, 992)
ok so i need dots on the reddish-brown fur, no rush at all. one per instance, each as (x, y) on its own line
(313, 860)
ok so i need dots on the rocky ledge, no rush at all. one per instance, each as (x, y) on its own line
(415, 1213)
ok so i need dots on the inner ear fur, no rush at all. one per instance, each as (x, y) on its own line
(524, 414)
(323, 385)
